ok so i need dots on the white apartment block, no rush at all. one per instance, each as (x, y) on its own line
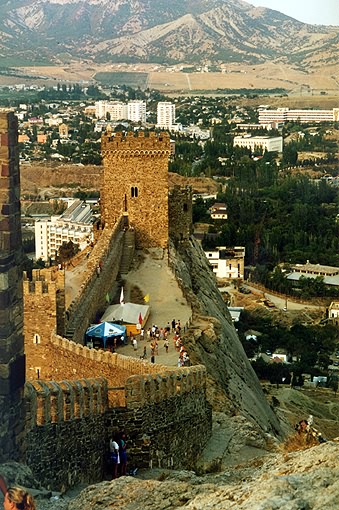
(165, 115)
(282, 115)
(227, 262)
(136, 111)
(116, 110)
(75, 224)
(266, 143)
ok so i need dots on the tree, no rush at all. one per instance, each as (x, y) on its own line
(67, 250)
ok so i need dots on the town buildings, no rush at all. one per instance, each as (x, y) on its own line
(329, 274)
(135, 111)
(75, 224)
(218, 211)
(227, 262)
(265, 143)
(282, 115)
(165, 115)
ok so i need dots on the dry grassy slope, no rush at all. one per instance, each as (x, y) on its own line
(296, 404)
(37, 176)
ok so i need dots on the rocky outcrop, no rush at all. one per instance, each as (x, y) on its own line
(295, 481)
(212, 340)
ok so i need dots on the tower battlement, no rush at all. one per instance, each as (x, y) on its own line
(130, 145)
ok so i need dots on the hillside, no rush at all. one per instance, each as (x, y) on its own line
(190, 31)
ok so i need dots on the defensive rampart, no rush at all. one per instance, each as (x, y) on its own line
(99, 278)
(69, 424)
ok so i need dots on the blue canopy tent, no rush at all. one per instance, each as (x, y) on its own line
(105, 330)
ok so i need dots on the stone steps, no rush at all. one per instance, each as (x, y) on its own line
(128, 252)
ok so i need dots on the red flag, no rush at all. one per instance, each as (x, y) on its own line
(140, 319)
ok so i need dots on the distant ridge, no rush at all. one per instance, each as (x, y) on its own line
(180, 31)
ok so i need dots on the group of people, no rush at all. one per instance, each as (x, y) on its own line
(118, 455)
(16, 498)
(158, 338)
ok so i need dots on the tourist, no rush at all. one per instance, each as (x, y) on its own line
(173, 325)
(142, 334)
(115, 458)
(135, 344)
(152, 358)
(19, 498)
(123, 454)
(166, 343)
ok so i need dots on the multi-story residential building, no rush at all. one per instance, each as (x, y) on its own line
(75, 224)
(266, 143)
(227, 262)
(282, 115)
(136, 111)
(165, 115)
(115, 110)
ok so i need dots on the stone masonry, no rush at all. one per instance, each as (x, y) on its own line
(12, 359)
(135, 184)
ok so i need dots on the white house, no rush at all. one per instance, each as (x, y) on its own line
(218, 211)
(227, 262)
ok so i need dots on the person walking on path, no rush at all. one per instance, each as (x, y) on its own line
(166, 344)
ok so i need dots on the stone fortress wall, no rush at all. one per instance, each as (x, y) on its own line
(164, 412)
(68, 424)
(12, 357)
(106, 254)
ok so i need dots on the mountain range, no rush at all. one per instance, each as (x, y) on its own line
(180, 31)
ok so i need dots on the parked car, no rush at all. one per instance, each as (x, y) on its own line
(244, 290)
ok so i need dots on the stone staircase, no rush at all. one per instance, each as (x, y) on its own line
(128, 252)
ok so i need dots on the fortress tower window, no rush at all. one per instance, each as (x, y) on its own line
(134, 192)
(36, 339)
(185, 208)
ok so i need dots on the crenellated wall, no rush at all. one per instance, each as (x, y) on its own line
(69, 424)
(66, 433)
(91, 296)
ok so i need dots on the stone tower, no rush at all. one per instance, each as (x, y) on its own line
(135, 184)
(180, 214)
(12, 358)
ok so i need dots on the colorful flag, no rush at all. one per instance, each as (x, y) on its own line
(146, 298)
(140, 319)
(122, 299)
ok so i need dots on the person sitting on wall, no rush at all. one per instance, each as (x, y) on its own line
(115, 457)
(17, 498)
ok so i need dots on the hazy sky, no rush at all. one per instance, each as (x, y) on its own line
(323, 12)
